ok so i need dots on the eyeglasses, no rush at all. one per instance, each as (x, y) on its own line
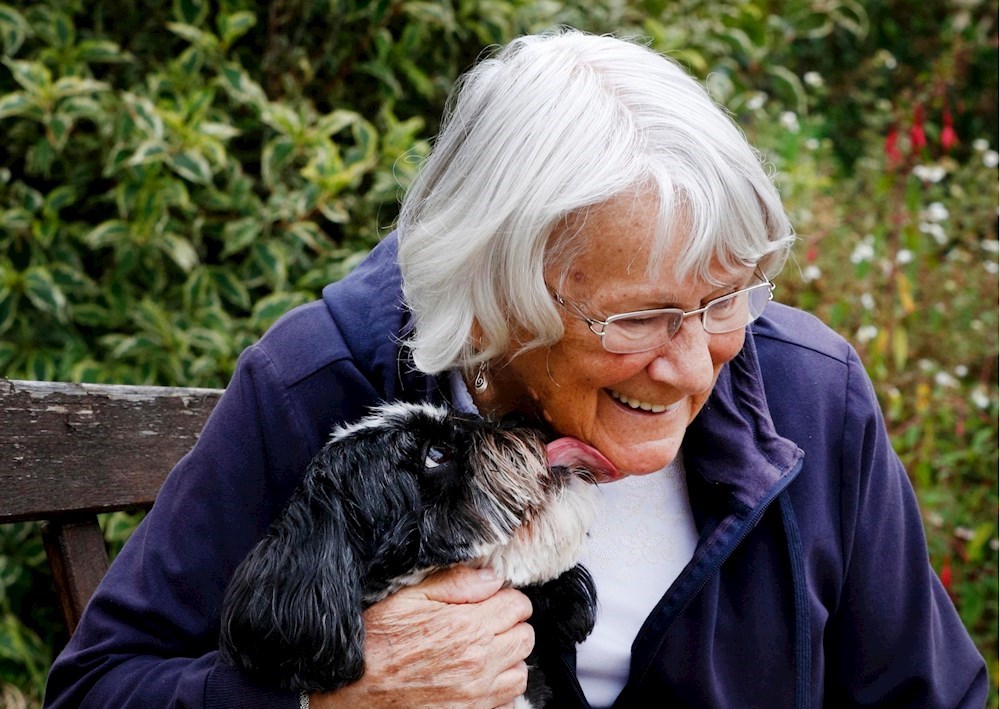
(643, 330)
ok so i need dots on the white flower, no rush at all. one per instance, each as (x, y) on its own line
(925, 365)
(757, 101)
(943, 379)
(961, 370)
(904, 256)
(789, 121)
(867, 301)
(964, 533)
(811, 273)
(991, 245)
(935, 230)
(935, 212)
(813, 78)
(991, 158)
(991, 267)
(812, 144)
(929, 173)
(981, 144)
(980, 398)
(862, 252)
(866, 333)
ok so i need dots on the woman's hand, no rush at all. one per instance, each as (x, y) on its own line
(455, 639)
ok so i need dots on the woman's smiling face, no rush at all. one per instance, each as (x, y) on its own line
(634, 408)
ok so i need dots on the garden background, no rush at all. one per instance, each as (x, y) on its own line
(173, 176)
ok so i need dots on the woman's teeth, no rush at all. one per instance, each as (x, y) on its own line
(642, 405)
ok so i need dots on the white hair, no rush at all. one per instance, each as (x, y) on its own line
(548, 126)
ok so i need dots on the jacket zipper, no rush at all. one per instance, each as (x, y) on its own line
(749, 525)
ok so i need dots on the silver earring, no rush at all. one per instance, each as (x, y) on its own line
(481, 382)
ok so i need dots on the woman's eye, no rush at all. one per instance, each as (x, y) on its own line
(641, 323)
(724, 303)
(435, 456)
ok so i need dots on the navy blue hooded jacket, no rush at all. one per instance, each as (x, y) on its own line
(810, 585)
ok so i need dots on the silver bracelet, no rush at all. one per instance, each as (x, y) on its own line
(304, 700)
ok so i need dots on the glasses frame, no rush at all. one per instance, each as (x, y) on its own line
(599, 327)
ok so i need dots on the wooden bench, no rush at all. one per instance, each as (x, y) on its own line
(71, 451)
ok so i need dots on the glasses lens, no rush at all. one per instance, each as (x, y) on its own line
(642, 332)
(737, 310)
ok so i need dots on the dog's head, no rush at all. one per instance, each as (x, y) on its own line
(409, 489)
(425, 488)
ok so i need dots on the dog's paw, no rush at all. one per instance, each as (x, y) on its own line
(565, 609)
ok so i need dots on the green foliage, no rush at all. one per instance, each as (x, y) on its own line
(29, 623)
(174, 176)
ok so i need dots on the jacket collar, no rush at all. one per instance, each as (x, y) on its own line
(732, 444)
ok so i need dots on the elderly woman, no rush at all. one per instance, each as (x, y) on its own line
(591, 244)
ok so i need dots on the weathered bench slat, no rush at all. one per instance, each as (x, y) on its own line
(71, 451)
(68, 448)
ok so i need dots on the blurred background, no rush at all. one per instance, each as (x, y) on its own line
(174, 176)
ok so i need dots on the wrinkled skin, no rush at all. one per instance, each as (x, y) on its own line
(457, 626)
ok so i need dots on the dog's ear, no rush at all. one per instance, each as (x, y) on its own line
(292, 615)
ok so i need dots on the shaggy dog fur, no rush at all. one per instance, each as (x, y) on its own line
(410, 489)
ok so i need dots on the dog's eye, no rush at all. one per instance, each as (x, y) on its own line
(435, 456)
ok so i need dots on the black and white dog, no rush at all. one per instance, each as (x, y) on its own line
(405, 491)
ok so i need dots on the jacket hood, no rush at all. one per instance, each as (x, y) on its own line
(368, 309)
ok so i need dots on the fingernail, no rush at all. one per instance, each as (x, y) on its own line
(487, 574)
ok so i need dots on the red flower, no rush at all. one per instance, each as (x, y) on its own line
(948, 135)
(918, 139)
(946, 576)
(891, 148)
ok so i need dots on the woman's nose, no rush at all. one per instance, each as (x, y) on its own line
(686, 362)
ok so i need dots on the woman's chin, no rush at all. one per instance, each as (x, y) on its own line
(644, 463)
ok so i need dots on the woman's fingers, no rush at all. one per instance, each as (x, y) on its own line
(511, 684)
(505, 609)
(458, 584)
(456, 639)
(515, 642)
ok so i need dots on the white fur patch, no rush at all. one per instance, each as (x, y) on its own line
(385, 415)
(548, 544)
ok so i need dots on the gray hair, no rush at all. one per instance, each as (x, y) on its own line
(548, 126)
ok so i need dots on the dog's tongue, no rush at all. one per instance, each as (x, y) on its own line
(570, 452)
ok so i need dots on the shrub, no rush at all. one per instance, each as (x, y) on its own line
(174, 176)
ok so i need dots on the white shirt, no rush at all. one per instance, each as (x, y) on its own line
(643, 538)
